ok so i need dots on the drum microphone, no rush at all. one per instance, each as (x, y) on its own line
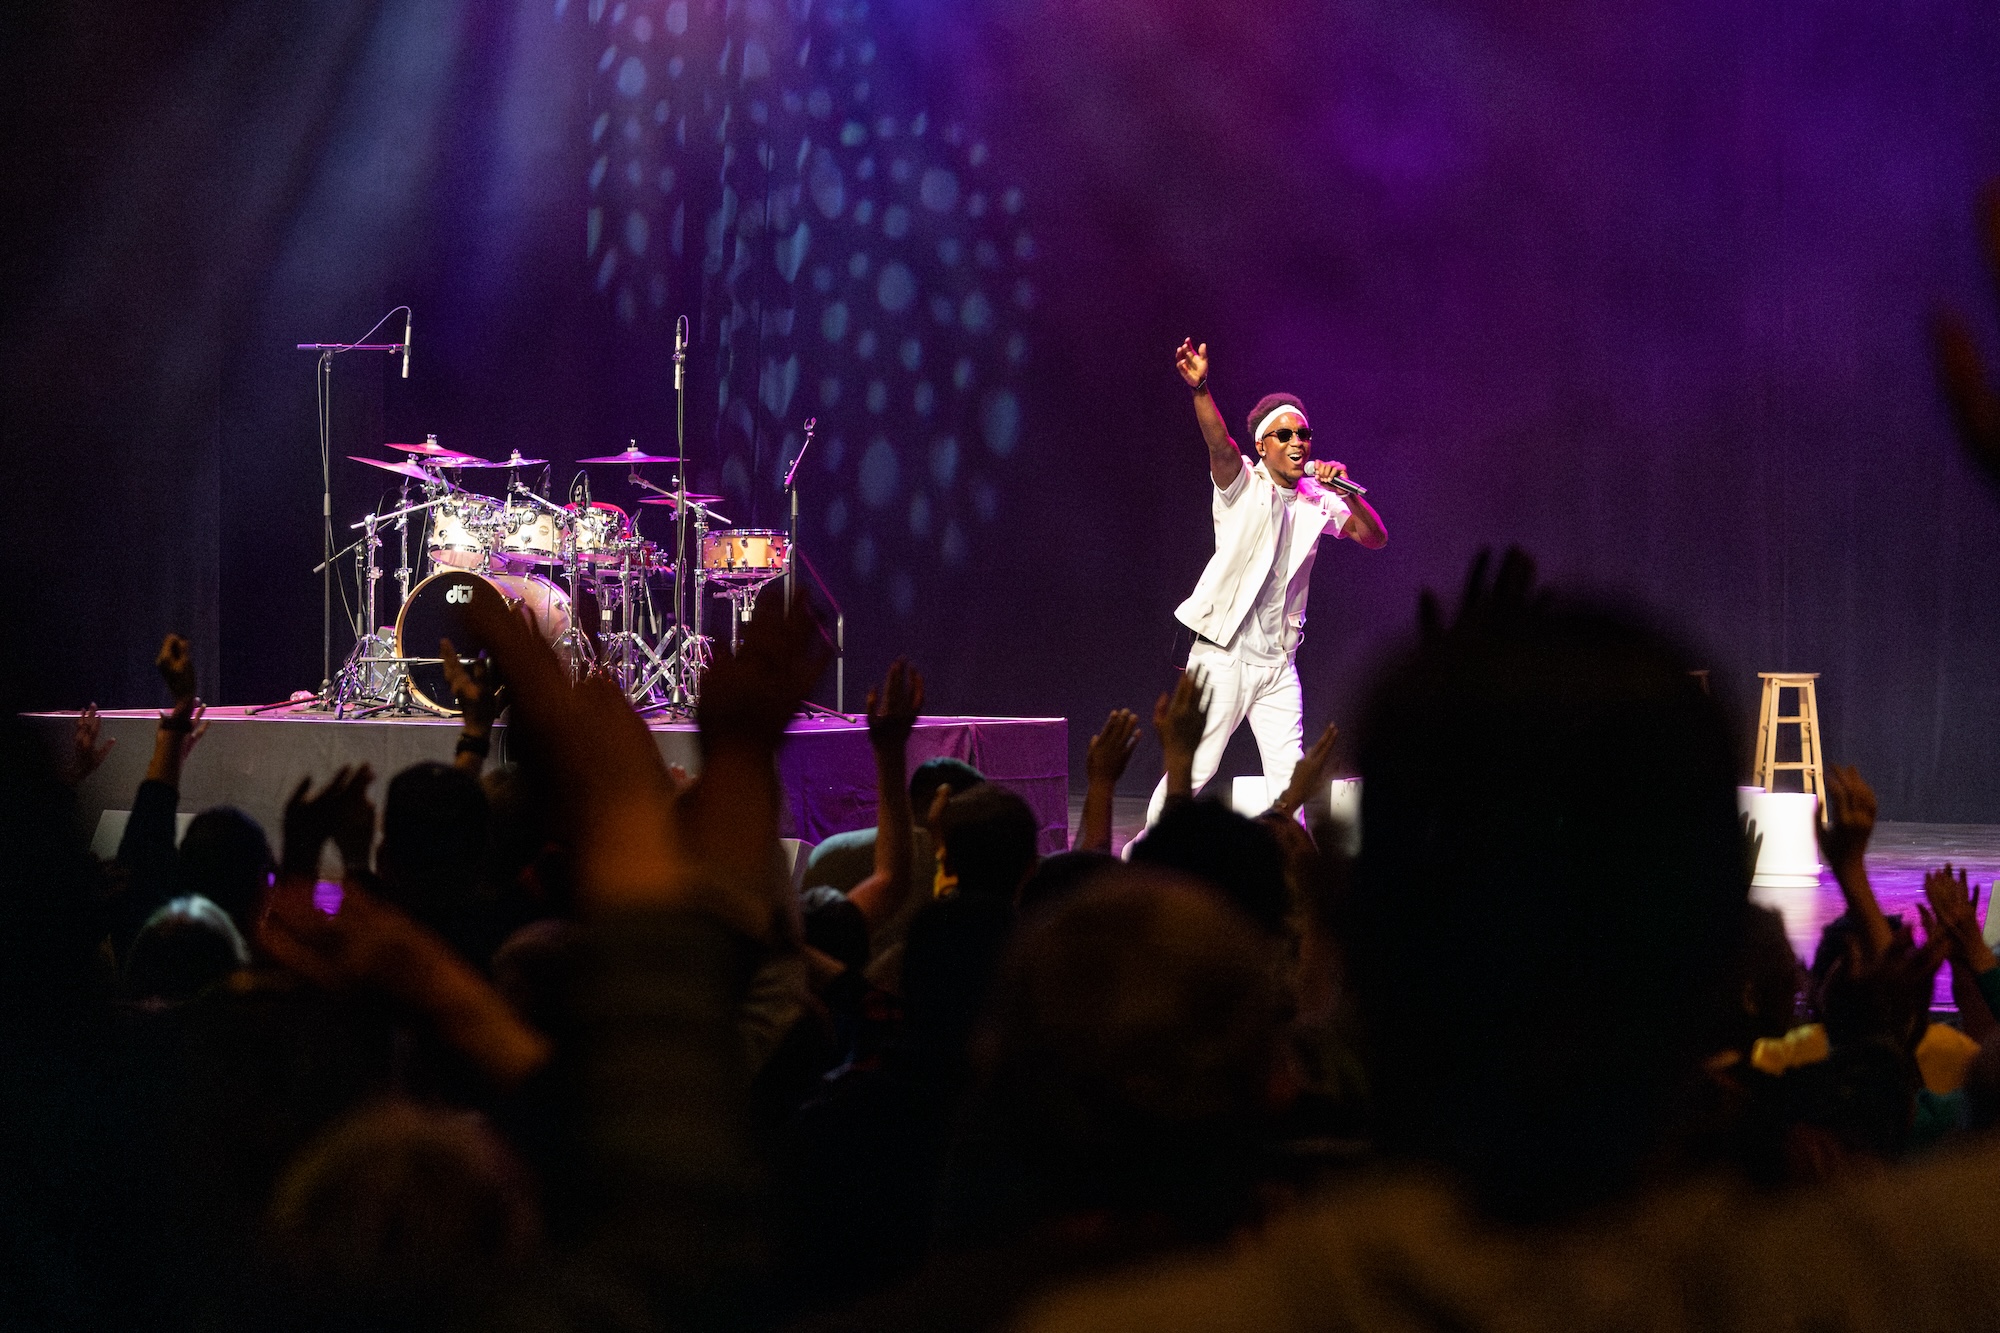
(680, 350)
(409, 318)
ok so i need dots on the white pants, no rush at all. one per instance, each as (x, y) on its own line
(1265, 696)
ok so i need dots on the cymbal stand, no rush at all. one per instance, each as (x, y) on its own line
(373, 673)
(792, 556)
(575, 645)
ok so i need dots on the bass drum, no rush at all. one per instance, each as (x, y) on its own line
(436, 610)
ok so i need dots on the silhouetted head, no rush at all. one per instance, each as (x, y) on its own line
(1237, 857)
(225, 858)
(1060, 876)
(183, 949)
(1551, 883)
(399, 1217)
(1125, 1062)
(433, 841)
(949, 957)
(989, 840)
(940, 772)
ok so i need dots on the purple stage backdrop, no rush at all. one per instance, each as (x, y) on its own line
(1640, 287)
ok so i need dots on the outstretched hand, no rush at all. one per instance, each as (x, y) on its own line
(1309, 774)
(749, 696)
(1180, 719)
(893, 710)
(1111, 749)
(477, 686)
(176, 666)
(1192, 362)
(618, 802)
(86, 754)
(1850, 817)
(1881, 994)
(371, 946)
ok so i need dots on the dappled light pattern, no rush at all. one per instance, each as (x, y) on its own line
(842, 253)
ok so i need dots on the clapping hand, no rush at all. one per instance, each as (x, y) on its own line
(1180, 719)
(1850, 817)
(1952, 913)
(341, 811)
(1192, 362)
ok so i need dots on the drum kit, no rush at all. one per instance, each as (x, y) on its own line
(582, 572)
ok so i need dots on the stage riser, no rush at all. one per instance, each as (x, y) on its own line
(826, 768)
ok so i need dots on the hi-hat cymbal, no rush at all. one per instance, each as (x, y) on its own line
(512, 460)
(429, 448)
(631, 455)
(669, 499)
(399, 466)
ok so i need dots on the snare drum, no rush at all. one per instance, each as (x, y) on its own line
(745, 555)
(603, 533)
(436, 611)
(460, 525)
(527, 538)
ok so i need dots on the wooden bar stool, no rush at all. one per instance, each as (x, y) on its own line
(1810, 767)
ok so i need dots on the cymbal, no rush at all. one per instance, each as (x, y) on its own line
(429, 448)
(398, 466)
(512, 460)
(631, 455)
(668, 499)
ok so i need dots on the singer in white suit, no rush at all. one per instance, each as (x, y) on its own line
(1248, 612)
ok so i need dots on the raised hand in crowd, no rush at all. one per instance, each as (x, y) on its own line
(1974, 401)
(340, 812)
(87, 755)
(892, 715)
(182, 726)
(371, 947)
(1843, 840)
(617, 804)
(1180, 718)
(1309, 775)
(1881, 994)
(1109, 754)
(477, 688)
(1951, 911)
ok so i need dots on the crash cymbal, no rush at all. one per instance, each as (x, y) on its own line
(512, 460)
(430, 448)
(399, 466)
(668, 499)
(631, 455)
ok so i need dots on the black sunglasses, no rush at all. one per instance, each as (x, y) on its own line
(1284, 434)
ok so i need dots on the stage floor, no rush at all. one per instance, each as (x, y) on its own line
(828, 772)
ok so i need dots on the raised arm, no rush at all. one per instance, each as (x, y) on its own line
(1225, 460)
(891, 715)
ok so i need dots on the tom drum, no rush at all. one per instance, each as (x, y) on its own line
(744, 555)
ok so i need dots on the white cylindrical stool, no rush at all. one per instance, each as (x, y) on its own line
(1788, 822)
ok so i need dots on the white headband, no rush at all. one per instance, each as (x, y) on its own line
(1273, 415)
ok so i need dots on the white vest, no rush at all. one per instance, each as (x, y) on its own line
(1246, 542)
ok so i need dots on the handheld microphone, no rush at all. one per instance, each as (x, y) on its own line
(409, 318)
(1344, 485)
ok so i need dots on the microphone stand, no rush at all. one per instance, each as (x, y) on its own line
(792, 556)
(324, 383)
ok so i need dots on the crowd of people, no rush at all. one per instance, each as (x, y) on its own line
(565, 1043)
(572, 1046)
